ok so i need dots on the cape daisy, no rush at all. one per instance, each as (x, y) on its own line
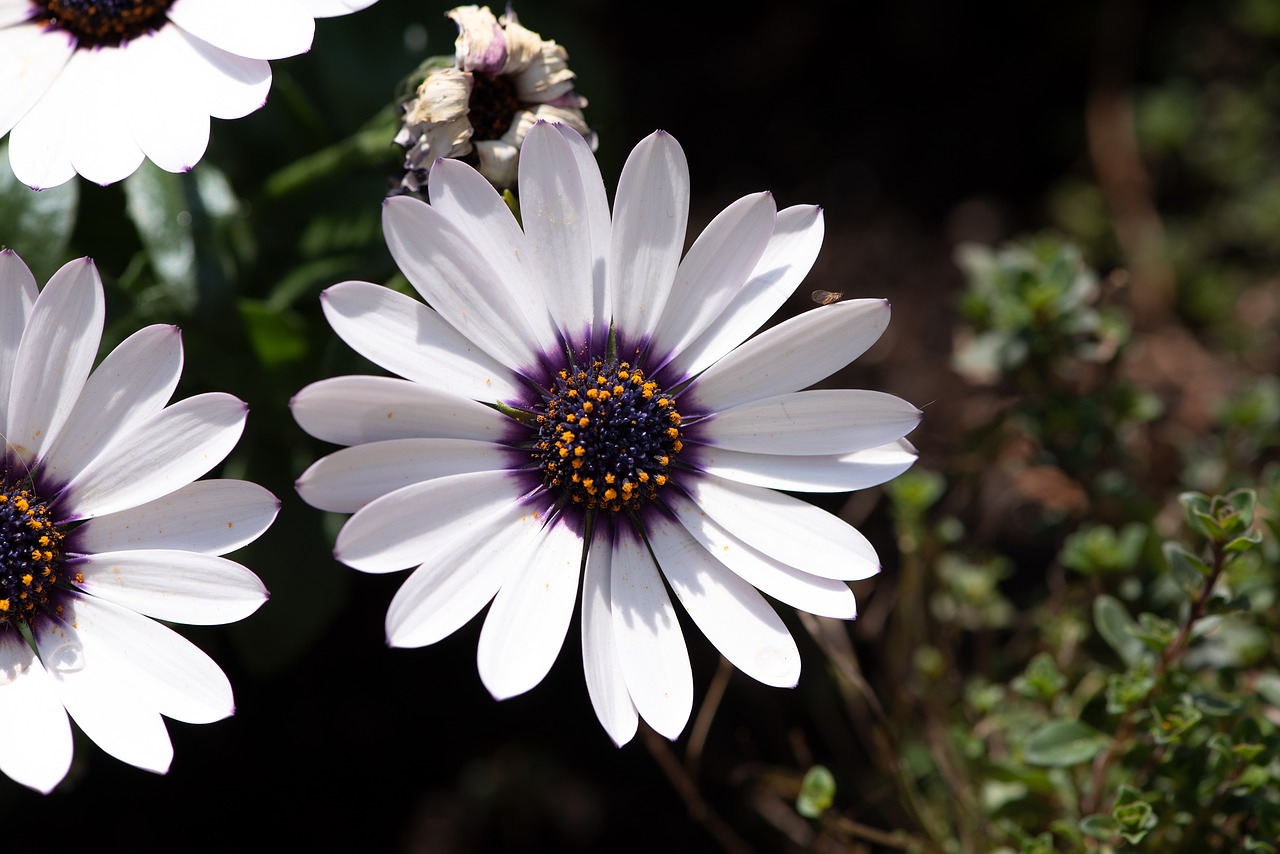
(91, 86)
(102, 521)
(579, 405)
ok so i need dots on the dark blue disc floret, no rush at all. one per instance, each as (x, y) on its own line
(31, 557)
(103, 23)
(607, 437)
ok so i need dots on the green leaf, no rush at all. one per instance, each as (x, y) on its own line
(1133, 815)
(817, 792)
(1041, 680)
(278, 336)
(1118, 629)
(1099, 826)
(1186, 569)
(37, 223)
(157, 203)
(1063, 743)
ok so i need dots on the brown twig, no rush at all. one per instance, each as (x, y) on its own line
(1125, 730)
(706, 714)
(1117, 162)
(687, 788)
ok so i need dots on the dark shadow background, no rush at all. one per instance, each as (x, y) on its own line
(914, 124)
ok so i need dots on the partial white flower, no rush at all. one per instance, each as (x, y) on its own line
(580, 407)
(504, 79)
(93, 86)
(104, 526)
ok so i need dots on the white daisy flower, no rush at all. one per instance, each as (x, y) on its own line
(93, 86)
(578, 405)
(504, 79)
(102, 521)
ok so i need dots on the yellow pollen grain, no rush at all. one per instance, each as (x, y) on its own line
(661, 479)
(610, 494)
(566, 436)
(4, 604)
(28, 578)
(21, 504)
(579, 451)
(610, 477)
(618, 390)
(673, 432)
(593, 393)
(643, 476)
(564, 452)
(577, 463)
(584, 421)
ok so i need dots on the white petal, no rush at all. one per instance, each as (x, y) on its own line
(484, 297)
(226, 85)
(55, 356)
(211, 517)
(797, 237)
(407, 338)
(598, 229)
(352, 410)
(553, 210)
(650, 214)
(348, 479)
(786, 529)
(405, 527)
(279, 28)
(167, 452)
(462, 575)
(713, 272)
(790, 356)
(605, 682)
(829, 421)
(825, 597)
(471, 205)
(161, 668)
(808, 473)
(38, 752)
(40, 143)
(529, 618)
(170, 126)
(734, 617)
(106, 704)
(130, 386)
(18, 294)
(30, 60)
(14, 12)
(105, 101)
(651, 646)
(176, 586)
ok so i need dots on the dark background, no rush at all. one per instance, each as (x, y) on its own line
(914, 124)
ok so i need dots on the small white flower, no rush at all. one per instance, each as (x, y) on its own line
(505, 78)
(580, 404)
(93, 86)
(102, 521)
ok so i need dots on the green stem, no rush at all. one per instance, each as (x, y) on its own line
(369, 146)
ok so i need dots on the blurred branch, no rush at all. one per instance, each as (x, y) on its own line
(706, 714)
(1122, 176)
(687, 788)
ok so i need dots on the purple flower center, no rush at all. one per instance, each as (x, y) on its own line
(103, 23)
(607, 437)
